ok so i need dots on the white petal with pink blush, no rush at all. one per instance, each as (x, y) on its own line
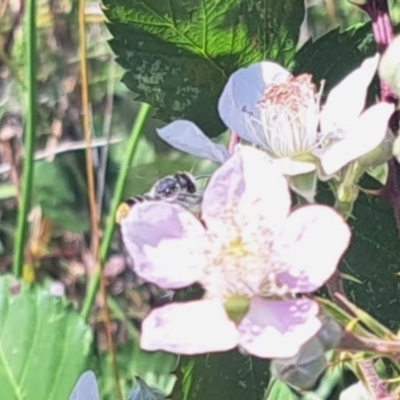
(189, 328)
(278, 329)
(166, 243)
(305, 249)
(243, 185)
(249, 250)
(366, 134)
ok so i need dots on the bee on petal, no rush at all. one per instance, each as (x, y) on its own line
(179, 188)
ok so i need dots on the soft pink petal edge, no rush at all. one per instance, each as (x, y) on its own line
(189, 328)
(278, 329)
(247, 182)
(166, 244)
(364, 136)
(310, 247)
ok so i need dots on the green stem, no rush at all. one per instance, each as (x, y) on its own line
(29, 138)
(94, 282)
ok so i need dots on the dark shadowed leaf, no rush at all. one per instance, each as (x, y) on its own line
(179, 54)
(373, 259)
(335, 54)
(44, 343)
(86, 388)
(225, 376)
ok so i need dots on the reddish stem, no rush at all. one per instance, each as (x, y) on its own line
(378, 11)
(233, 141)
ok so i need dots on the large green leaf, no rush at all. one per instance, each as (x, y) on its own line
(180, 53)
(44, 344)
(225, 376)
(374, 259)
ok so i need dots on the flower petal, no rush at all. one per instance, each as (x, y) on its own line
(187, 137)
(291, 167)
(278, 329)
(189, 328)
(243, 91)
(346, 100)
(165, 242)
(310, 247)
(250, 186)
(364, 136)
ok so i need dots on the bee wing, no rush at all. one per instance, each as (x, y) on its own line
(187, 137)
(86, 388)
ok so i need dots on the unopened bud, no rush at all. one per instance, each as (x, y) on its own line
(389, 67)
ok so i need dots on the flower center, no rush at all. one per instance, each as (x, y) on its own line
(289, 114)
(238, 258)
(237, 248)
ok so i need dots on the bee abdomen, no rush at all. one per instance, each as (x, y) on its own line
(124, 208)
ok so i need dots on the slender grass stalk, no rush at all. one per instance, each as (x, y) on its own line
(29, 138)
(94, 283)
(94, 212)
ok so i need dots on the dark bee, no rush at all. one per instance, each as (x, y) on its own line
(179, 188)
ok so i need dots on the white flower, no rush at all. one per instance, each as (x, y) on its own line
(267, 106)
(253, 257)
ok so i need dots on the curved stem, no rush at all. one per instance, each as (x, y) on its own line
(140, 122)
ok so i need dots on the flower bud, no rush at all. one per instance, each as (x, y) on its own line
(389, 67)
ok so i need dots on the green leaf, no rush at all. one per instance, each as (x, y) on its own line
(225, 376)
(44, 344)
(279, 390)
(61, 191)
(179, 53)
(373, 258)
(154, 368)
(335, 54)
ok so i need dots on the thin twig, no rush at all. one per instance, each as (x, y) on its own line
(63, 148)
(94, 212)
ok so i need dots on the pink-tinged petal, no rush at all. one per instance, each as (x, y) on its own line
(243, 91)
(249, 186)
(364, 136)
(310, 247)
(278, 329)
(166, 243)
(187, 137)
(291, 167)
(189, 328)
(346, 100)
